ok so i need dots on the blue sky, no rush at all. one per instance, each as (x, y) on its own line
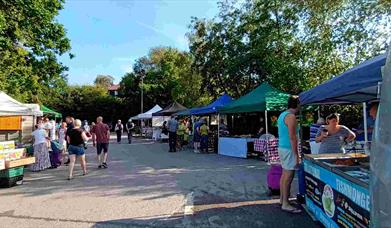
(107, 36)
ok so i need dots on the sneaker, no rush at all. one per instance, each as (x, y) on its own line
(104, 164)
(99, 166)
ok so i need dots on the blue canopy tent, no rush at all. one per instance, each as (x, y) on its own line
(356, 85)
(359, 84)
(213, 107)
(209, 109)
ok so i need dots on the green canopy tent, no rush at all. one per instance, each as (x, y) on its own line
(264, 98)
(50, 112)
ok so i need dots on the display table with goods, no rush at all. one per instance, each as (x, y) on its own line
(337, 189)
(236, 146)
(12, 162)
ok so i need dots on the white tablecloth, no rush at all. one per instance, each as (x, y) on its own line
(234, 147)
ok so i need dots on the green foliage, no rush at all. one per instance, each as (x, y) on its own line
(30, 41)
(104, 80)
(167, 77)
(294, 45)
(87, 102)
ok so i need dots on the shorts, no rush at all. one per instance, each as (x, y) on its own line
(102, 146)
(197, 138)
(76, 150)
(287, 158)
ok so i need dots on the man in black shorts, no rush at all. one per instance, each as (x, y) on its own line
(100, 139)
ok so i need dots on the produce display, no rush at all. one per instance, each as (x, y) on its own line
(12, 162)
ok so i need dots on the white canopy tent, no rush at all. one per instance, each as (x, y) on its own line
(35, 108)
(148, 114)
(12, 107)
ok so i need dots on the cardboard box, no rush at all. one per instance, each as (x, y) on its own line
(19, 162)
(7, 145)
(12, 154)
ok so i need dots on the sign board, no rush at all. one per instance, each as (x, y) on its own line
(335, 201)
(10, 123)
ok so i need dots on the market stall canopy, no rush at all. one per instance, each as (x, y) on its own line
(12, 107)
(50, 112)
(134, 118)
(36, 109)
(356, 85)
(148, 114)
(262, 98)
(213, 107)
(171, 109)
(184, 113)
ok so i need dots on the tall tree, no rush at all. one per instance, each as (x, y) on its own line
(292, 44)
(104, 80)
(30, 41)
(167, 76)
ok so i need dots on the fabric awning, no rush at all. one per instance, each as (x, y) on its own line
(148, 114)
(12, 107)
(356, 85)
(50, 112)
(171, 109)
(262, 98)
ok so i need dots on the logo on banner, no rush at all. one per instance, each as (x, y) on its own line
(328, 201)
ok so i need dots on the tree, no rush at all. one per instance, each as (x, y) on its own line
(292, 44)
(30, 41)
(168, 76)
(104, 80)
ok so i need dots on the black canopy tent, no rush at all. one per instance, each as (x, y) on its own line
(171, 109)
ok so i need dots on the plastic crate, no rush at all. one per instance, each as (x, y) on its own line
(7, 182)
(13, 172)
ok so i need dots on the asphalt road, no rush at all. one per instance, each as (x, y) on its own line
(145, 186)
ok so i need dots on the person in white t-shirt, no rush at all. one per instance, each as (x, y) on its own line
(41, 152)
(52, 130)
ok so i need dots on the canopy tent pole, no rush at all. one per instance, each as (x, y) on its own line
(218, 132)
(319, 112)
(218, 126)
(364, 110)
(266, 123)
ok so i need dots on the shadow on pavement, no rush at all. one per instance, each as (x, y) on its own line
(243, 216)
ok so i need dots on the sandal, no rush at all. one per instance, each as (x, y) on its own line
(292, 211)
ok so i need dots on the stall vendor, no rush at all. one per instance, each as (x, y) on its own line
(223, 129)
(333, 136)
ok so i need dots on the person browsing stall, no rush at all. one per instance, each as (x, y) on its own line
(333, 135)
(181, 133)
(172, 136)
(41, 152)
(204, 130)
(288, 151)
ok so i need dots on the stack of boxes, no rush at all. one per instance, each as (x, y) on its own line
(12, 162)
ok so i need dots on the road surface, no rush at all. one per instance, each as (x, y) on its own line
(145, 186)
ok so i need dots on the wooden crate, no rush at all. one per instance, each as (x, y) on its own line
(10, 123)
(19, 162)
